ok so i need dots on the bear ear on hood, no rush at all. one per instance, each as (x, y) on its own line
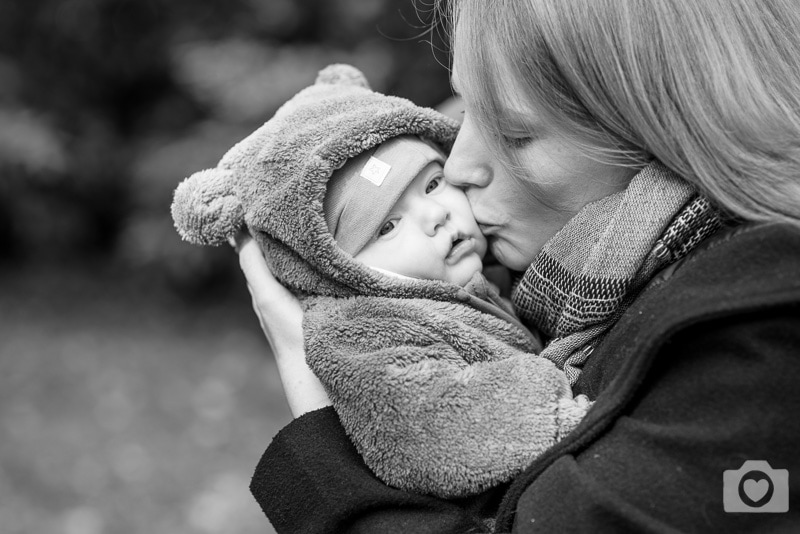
(205, 208)
(342, 74)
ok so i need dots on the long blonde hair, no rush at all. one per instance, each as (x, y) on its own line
(711, 88)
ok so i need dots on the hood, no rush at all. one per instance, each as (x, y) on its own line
(274, 182)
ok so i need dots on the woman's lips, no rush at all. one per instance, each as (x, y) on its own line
(461, 248)
(488, 229)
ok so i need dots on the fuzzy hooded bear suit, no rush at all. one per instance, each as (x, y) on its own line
(438, 386)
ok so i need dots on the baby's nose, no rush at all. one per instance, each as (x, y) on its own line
(435, 216)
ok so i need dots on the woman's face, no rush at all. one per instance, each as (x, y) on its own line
(518, 219)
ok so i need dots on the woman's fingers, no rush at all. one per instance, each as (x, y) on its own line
(268, 294)
(253, 265)
(281, 317)
(278, 310)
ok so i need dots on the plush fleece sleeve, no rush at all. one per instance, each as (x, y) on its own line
(433, 403)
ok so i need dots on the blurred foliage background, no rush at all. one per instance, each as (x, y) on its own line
(137, 389)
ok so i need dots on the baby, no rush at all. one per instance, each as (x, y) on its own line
(390, 208)
(434, 379)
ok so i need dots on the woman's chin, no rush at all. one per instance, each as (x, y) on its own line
(510, 256)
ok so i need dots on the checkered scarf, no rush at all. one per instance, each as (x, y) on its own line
(588, 273)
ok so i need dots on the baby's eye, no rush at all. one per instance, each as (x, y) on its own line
(433, 184)
(387, 227)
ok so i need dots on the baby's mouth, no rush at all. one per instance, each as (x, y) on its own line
(461, 246)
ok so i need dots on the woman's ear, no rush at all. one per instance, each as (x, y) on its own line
(205, 208)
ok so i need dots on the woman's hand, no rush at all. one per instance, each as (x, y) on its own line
(281, 319)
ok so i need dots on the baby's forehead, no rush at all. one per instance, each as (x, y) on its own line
(418, 179)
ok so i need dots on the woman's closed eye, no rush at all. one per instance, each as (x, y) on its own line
(519, 130)
(517, 140)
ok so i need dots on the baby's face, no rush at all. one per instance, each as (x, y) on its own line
(430, 233)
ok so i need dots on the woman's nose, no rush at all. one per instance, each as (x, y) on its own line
(469, 162)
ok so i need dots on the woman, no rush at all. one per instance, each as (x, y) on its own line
(590, 128)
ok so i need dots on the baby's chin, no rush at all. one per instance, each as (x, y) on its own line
(466, 271)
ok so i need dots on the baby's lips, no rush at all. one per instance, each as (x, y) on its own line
(460, 250)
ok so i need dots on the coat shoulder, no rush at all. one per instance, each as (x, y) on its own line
(740, 270)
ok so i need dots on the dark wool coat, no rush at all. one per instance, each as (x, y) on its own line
(701, 374)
